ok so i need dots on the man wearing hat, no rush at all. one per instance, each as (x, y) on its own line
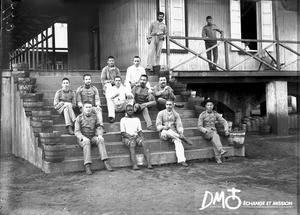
(206, 125)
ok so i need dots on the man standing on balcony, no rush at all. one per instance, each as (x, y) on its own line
(64, 102)
(88, 92)
(155, 38)
(109, 73)
(210, 31)
(88, 131)
(168, 122)
(117, 98)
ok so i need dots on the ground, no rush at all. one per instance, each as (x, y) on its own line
(266, 175)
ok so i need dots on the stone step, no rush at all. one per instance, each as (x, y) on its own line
(74, 164)
(155, 145)
(184, 114)
(116, 136)
(115, 127)
(103, 106)
(49, 100)
(54, 83)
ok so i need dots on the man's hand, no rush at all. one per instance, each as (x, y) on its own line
(99, 137)
(98, 108)
(85, 140)
(166, 127)
(129, 97)
(226, 133)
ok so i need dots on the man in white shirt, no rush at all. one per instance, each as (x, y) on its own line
(132, 136)
(117, 98)
(134, 72)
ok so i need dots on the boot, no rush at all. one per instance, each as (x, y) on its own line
(222, 151)
(135, 167)
(107, 166)
(88, 170)
(184, 164)
(70, 129)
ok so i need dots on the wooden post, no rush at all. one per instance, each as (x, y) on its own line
(226, 49)
(53, 47)
(275, 14)
(167, 18)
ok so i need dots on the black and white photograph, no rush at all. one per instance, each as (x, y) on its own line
(150, 107)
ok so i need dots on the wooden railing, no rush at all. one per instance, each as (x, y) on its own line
(227, 42)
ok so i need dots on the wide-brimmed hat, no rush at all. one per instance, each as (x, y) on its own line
(203, 103)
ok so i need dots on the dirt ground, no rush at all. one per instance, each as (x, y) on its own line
(266, 176)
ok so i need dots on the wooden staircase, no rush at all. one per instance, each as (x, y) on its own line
(161, 152)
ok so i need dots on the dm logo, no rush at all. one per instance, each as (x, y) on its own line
(231, 202)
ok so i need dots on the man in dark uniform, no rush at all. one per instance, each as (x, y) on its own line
(209, 31)
(88, 92)
(88, 132)
(143, 99)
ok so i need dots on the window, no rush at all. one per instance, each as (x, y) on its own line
(251, 20)
(177, 17)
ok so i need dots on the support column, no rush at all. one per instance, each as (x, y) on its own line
(6, 127)
(277, 106)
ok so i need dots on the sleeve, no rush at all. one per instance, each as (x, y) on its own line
(159, 123)
(223, 121)
(118, 73)
(56, 101)
(172, 96)
(122, 126)
(156, 91)
(219, 30)
(77, 126)
(165, 30)
(149, 86)
(150, 96)
(73, 99)
(200, 123)
(99, 130)
(204, 32)
(103, 75)
(139, 127)
(78, 97)
(150, 31)
(127, 79)
(179, 126)
(97, 97)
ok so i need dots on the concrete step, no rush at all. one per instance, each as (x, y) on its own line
(184, 114)
(116, 136)
(115, 127)
(74, 164)
(155, 145)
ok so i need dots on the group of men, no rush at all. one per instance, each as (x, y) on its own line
(132, 98)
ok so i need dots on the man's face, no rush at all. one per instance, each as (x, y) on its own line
(129, 111)
(136, 61)
(87, 108)
(65, 84)
(160, 18)
(162, 81)
(87, 80)
(209, 21)
(209, 106)
(143, 81)
(169, 105)
(111, 62)
(118, 82)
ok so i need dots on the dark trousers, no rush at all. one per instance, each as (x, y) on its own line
(215, 54)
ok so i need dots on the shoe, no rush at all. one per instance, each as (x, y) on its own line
(223, 152)
(219, 160)
(103, 129)
(186, 140)
(151, 128)
(88, 170)
(179, 105)
(108, 167)
(150, 166)
(111, 120)
(135, 167)
(70, 130)
(183, 164)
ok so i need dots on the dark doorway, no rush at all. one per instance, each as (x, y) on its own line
(249, 23)
(96, 49)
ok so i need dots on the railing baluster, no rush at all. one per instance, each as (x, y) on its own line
(226, 49)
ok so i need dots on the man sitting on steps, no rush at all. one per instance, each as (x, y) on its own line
(132, 136)
(117, 98)
(88, 92)
(88, 132)
(143, 100)
(168, 122)
(64, 102)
